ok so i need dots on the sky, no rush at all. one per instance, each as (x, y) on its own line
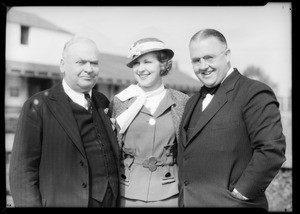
(257, 36)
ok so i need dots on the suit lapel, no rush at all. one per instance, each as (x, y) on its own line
(59, 106)
(219, 100)
(106, 120)
(188, 110)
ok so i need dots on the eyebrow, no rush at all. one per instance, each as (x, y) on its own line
(85, 60)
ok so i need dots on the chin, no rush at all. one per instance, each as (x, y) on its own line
(88, 86)
(144, 84)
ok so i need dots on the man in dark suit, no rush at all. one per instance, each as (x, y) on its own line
(231, 141)
(65, 152)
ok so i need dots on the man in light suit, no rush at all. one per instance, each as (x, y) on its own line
(231, 141)
(65, 152)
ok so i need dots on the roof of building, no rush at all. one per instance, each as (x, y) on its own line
(113, 67)
(29, 19)
(113, 71)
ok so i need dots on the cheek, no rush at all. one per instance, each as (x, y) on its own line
(73, 70)
(196, 68)
(135, 75)
(156, 69)
(96, 70)
(157, 76)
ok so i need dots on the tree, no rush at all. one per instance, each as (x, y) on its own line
(258, 74)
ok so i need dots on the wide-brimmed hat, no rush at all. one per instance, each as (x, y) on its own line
(147, 45)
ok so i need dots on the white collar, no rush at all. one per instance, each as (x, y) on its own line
(75, 96)
(228, 73)
(129, 114)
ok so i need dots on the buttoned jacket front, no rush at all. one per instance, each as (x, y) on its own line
(147, 128)
(49, 166)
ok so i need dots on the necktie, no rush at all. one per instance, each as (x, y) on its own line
(205, 90)
(89, 101)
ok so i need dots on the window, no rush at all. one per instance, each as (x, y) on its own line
(24, 35)
(14, 91)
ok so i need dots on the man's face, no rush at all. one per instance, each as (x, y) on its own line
(81, 66)
(210, 60)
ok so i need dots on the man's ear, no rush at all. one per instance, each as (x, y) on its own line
(228, 55)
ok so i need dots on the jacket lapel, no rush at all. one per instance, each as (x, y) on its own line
(106, 120)
(188, 110)
(59, 106)
(219, 100)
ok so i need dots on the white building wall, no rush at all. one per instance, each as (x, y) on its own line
(19, 83)
(44, 46)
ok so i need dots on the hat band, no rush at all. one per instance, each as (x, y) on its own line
(138, 49)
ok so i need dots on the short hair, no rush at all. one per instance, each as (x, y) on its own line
(74, 40)
(205, 33)
(164, 58)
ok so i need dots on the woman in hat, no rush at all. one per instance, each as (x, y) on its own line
(148, 116)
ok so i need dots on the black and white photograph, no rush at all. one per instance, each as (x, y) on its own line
(149, 106)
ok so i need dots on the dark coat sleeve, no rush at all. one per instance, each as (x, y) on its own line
(263, 122)
(25, 158)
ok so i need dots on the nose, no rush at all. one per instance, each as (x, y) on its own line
(202, 64)
(88, 67)
(139, 68)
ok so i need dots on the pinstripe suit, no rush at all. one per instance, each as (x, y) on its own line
(237, 143)
(48, 164)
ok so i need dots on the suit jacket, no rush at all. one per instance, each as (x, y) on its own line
(237, 143)
(48, 164)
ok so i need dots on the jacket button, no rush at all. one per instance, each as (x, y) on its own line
(186, 182)
(81, 163)
(84, 185)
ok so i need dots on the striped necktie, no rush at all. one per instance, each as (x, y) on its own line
(89, 101)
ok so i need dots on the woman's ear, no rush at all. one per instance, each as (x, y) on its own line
(162, 67)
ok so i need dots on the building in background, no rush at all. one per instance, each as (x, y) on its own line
(33, 52)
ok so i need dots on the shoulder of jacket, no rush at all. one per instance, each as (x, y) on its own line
(253, 85)
(100, 95)
(36, 102)
(178, 95)
(104, 102)
(119, 106)
(39, 96)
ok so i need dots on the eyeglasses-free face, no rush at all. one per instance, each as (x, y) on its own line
(81, 66)
(146, 70)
